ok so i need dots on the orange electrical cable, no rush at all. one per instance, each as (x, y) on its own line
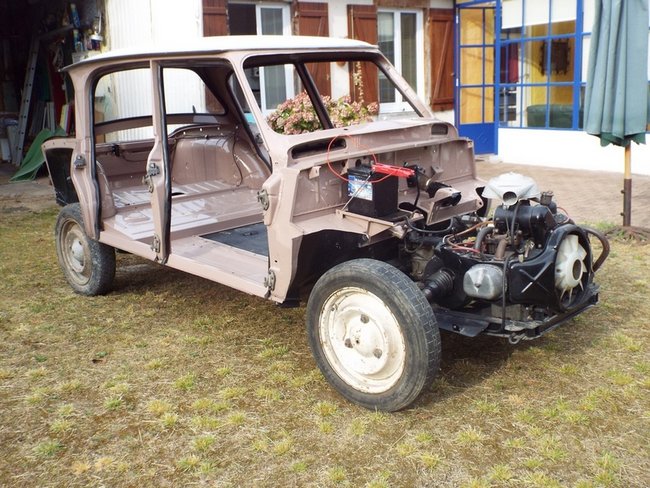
(341, 177)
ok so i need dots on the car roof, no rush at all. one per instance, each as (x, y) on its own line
(219, 44)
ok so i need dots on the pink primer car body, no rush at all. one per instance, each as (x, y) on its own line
(382, 224)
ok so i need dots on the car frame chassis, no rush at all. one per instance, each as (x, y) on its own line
(383, 225)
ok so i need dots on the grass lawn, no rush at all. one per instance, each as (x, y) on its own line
(172, 380)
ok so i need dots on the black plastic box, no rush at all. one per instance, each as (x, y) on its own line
(372, 194)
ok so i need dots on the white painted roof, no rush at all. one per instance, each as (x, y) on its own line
(204, 45)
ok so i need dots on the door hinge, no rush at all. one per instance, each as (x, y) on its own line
(152, 170)
(155, 244)
(79, 162)
(263, 198)
(269, 281)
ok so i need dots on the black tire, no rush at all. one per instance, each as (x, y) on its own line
(355, 312)
(88, 265)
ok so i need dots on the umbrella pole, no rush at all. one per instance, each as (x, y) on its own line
(627, 187)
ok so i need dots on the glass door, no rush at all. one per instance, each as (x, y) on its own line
(475, 73)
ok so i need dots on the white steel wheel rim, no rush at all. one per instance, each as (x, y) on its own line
(362, 340)
(75, 252)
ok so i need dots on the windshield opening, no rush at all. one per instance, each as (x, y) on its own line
(308, 95)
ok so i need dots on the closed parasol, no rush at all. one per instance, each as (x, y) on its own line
(616, 100)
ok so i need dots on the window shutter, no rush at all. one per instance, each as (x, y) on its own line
(362, 25)
(215, 21)
(313, 21)
(441, 33)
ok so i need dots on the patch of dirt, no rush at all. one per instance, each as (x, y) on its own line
(28, 196)
(14, 206)
(637, 235)
(24, 196)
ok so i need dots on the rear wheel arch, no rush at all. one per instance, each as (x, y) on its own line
(59, 163)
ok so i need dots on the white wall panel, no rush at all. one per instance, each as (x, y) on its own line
(175, 21)
(129, 23)
(134, 23)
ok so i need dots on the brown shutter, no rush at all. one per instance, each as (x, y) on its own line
(441, 33)
(313, 21)
(215, 22)
(362, 25)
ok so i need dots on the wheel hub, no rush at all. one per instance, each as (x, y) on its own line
(75, 252)
(77, 255)
(362, 340)
(365, 339)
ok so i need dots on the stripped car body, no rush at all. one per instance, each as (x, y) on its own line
(220, 194)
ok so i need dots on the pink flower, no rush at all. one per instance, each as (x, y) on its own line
(297, 115)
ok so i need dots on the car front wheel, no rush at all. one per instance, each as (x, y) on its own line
(373, 334)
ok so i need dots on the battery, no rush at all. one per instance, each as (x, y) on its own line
(371, 194)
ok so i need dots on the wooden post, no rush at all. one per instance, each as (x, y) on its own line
(627, 187)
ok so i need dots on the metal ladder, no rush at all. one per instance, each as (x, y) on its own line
(26, 99)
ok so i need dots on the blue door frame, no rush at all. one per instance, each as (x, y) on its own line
(481, 127)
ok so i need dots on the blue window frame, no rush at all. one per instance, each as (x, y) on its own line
(540, 70)
(476, 54)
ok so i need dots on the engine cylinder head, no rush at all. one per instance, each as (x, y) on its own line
(533, 220)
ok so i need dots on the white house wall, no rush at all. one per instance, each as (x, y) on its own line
(337, 16)
(568, 149)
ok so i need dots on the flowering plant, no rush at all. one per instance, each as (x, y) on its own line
(297, 115)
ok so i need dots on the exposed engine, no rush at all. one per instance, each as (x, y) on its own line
(514, 274)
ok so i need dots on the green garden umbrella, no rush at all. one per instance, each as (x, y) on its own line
(616, 101)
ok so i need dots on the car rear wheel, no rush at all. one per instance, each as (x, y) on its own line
(88, 265)
(373, 334)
